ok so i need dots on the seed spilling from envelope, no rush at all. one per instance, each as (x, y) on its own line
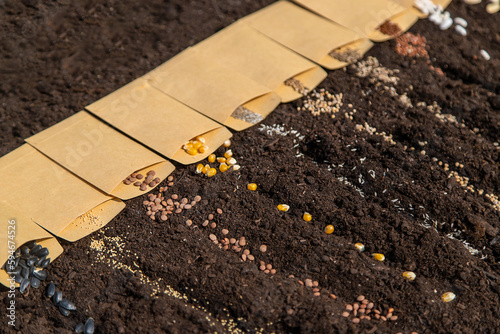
(245, 114)
(149, 181)
(195, 146)
(297, 86)
(345, 55)
(389, 28)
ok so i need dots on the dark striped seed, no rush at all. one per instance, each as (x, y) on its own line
(24, 250)
(35, 249)
(25, 273)
(51, 290)
(40, 274)
(79, 328)
(24, 286)
(45, 263)
(56, 299)
(35, 282)
(64, 311)
(30, 244)
(89, 326)
(67, 304)
(42, 252)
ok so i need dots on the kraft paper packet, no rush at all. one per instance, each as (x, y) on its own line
(308, 34)
(159, 121)
(362, 16)
(52, 197)
(24, 230)
(99, 154)
(246, 50)
(212, 89)
(405, 20)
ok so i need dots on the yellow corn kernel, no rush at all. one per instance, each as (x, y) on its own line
(205, 169)
(448, 297)
(283, 207)
(409, 275)
(196, 144)
(191, 151)
(221, 160)
(199, 168)
(307, 216)
(231, 161)
(378, 256)
(211, 158)
(228, 154)
(359, 246)
(329, 229)
(253, 187)
(236, 167)
(202, 149)
(211, 172)
(227, 143)
(201, 139)
(223, 167)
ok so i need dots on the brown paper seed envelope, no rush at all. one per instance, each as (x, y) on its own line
(17, 230)
(245, 50)
(214, 90)
(362, 16)
(158, 121)
(404, 21)
(99, 154)
(51, 196)
(306, 33)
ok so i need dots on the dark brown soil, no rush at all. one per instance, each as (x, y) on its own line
(56, 57)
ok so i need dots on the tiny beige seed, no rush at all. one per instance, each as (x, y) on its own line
(262, 248)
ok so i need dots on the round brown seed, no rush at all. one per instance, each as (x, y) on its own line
(394, 318)
(197, 198)
(212, 237)
(170, 178)
(225, 231)
(127, 182)
(355, 321)
(205, 223)
(210, 216)
(187, 206)
(262, 248)
(157, 180)
(139, 176)
(250, 257)
(345, 314)
(174, 196)
(184, 201)
(213, 225)
(137, 183)
(189, 222)
(349, 307)
(219, 211)
(246, 252)
(269, 266)
(242, 241)
(143, 187)
(360, 298)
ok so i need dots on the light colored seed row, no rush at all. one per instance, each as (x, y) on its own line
(267, 268)
(195, 146)
(321, 101)
(225, 163)
(138, 180)
(363, 309)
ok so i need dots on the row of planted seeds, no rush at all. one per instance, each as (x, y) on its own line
(159, 101)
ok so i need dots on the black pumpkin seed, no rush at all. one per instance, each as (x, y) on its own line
(25, 273)
(24, 286)
(35, 249)
(64, 311)
(24, 250)
(67, 304)
(51, 290)
(79, 328)
(18, 278)
(35, 283)
(45, 263)
(56, 299)
(42, 252)
(89, 326)
(30, 244)
(40, 274)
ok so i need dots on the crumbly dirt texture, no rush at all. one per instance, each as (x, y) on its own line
(409, 166)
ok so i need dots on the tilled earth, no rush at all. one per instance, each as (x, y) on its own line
(409, 166)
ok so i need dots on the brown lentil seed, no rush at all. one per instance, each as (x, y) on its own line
(262, 248)
(225, 232)
(243, 257)
(394, 318)
(383, 318)
(262, 267)
(250, 257)
(151, 173)
(368, 318)
(170, 178)
(212, 237)
(360, 298)
(174, 196)
(355, 321)
(246, 252)
(345, 314)
(242, 241)
(219, 211)
(205, 223)
(369, 305)
(188, 206)
(210, 216)
(163, 217)
(213, 225)
(184, 201)
(137, 183)
(178, 211)
(317, 294)
(157, 180)
(139, 176)
(349, 307)
(170, 184)
(267, 271)
(197, 198)
(127, 182)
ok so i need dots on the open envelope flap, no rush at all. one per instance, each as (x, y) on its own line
(18, 230)
(158, 121)
(245, 50)
(359, 15)
(94, 151)
(212, 89)
(300, 30)
(45, 192)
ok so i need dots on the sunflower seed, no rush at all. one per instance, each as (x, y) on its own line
(89, 326)
(64, 311)
(24, 286)
(35, 282)
(79, 328)
(67, 304)
(25, 273)
(40, 274)
(51, 290)
(35, 249)
(56, 299)
(45, 263)
(42, 252)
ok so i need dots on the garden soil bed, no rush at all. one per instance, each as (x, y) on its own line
(378, 174)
